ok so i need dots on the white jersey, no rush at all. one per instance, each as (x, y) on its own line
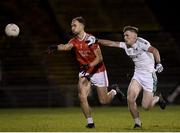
(142, 59)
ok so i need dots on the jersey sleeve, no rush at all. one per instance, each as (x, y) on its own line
(144, 44)
(122, 45)
(71, 42)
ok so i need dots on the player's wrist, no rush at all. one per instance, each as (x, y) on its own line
(158, 62)
(54, 46)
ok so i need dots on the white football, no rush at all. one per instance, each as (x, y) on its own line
(12, 30)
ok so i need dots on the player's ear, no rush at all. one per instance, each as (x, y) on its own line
(135, 35)
(83, 26)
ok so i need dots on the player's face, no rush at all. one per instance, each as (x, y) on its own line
(76, 27)
(130, 37)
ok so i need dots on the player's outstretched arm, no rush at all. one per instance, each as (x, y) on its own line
(92, 40)
(108, 43)
(62, 47)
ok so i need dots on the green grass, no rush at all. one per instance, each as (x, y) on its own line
(107, 119)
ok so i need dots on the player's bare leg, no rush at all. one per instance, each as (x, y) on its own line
(133, 92)
(83, 91)
(149, 100)
(105, 97)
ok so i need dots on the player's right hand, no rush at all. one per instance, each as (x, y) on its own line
(159, 68)
(52, 48)
(91, 40)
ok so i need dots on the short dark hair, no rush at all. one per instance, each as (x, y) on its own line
(130, 28)
(80, 19)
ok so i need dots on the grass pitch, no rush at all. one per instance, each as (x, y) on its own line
(107, 119)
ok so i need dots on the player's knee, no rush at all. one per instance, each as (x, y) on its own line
(82, 98)
(145, 106)
(130, 100)
(103, 101)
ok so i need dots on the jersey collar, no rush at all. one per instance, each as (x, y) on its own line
(83, 37)
(134, 46)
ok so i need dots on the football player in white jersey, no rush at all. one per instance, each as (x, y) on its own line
(144, 57)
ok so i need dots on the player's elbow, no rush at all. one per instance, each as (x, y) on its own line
(99, 59)
(155, 50)
(145, 107)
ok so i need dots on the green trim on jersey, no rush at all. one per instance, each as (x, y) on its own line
(155, 81)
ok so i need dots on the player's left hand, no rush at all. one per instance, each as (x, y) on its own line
(91, 40)
(159, 68)
(88, 77)
(51, 49)
(84, 68)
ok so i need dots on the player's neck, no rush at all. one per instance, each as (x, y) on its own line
(132, 43)
(81, 35)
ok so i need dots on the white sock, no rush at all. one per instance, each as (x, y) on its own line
(137, 121)
(90, 120)
(114, 91)
(156, 99)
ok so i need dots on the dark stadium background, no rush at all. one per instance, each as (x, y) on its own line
(31, 78)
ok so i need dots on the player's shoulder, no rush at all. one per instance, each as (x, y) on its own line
(72, 40)
(95, 45)
(142, 40)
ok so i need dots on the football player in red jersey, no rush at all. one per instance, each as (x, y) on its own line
(92, 68)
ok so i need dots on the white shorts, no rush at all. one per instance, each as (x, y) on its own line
(98, 79)
(147, 80)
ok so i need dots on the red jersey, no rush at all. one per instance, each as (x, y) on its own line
(85, 54)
